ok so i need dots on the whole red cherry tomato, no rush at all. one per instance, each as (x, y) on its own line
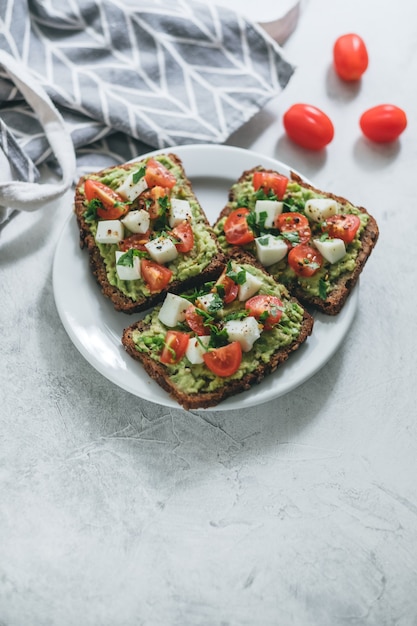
(308, 126)
(383, 123)
(350, 57)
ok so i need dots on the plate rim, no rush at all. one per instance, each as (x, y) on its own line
(245, 399)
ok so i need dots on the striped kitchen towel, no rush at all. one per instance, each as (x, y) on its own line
(89, 83)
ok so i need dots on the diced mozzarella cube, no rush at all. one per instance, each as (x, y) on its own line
(162, 249)
(195, 350)
(319, 209)
(130, 190)
(251, 285)
(270, 249)
(332, 249)
(137, 221)
(245, 331)
(109, 231)
(205, 301)
(272, 208)
(180, 211)
(128, 272)
(172, 312)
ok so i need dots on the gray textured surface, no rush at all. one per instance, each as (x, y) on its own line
(117, 512)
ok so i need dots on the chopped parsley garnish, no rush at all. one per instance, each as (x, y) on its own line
(140, 173)
(127, 258)
(216, 303)
(264, 316)
(263, 241)
(292, 236)
(256, 223)
(252, 223)
(220, 290)
(261, 221)
(262, 195)
(238, 277)
(236, 315)
(322, 289)
(197, 293)
(90, 214)
(218, 337)
(162, 220)
(293, 204)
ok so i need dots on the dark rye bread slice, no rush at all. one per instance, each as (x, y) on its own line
(342, 287)
(346, 282)
(230, 387)
(120, 300)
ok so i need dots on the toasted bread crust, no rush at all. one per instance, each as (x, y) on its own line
(120, 301)
(160, 373)
(346, 282)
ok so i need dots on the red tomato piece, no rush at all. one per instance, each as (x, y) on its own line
(350, 57)
(156, 276)
(308, 126)
(305, 260)
(266, 309)
(175, 347)
(158, 175)
(342, 227)
(383, 123)
(236, 228)
(196, 321)
(270, 181)
(112, 204)
(184, 234)
(224, 361)
(296, 223)
(136, 241)
(229, 287)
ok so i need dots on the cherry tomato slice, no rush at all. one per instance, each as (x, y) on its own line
(229, 290)
(136, 241)
(156, 276)
(295, 223)
(270, 181)
(350, 57)
(184, 234)
(305, 260)
(308, 126)
(383, 123)
(224, 361)
(236, 228)
(158, 175)
(342, 227)
(175, 347)
(266, 309)
(196, 321)
(112, 204)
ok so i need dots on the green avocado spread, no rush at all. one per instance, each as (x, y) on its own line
(184, 265)
(193, 378)
(295, 198)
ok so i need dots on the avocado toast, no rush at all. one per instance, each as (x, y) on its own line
(221, 338)
(314, 242)
(145, 231)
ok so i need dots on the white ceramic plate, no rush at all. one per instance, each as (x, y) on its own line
(96, 328)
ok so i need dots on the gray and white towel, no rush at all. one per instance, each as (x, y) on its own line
(89, 83)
